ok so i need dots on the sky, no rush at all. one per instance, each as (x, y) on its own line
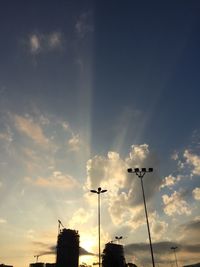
(87, 90)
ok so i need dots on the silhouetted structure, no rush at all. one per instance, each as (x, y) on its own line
(37, 264)
(67, 248)
(4, 265)
(50, 265)
(113, 256)
(130, 264)
(40, 264)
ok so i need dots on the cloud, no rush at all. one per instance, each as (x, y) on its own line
(162, 247)
(58, 180)
(35, 43)
(110, 172)
(158, 227)
(74, 143)
(30, 234)
(54, 40)
(31, 129)
(2, 221)
(196, 193)
(84, 25)
(84, 252)
(65, 125)
(81, 216)
(48, 250)
(175, 156)
(194, 161)
(44, 42)
(175, 204)
(162, 252)
(168, 181)
(190, 231)
(7, 136)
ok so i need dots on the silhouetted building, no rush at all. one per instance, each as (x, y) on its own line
(67, 248)
(50, 265)
(4, 265)
(37, 264)
(113, 256)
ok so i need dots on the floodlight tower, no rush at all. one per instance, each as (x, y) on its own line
(140, 173)
(174, 249)
(99, 191)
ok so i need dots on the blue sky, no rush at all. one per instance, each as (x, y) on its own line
(88, 89)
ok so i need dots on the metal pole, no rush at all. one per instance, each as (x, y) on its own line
(176, 258)
(147, 221)
(98, 192)
(174, 249)
(99, 228)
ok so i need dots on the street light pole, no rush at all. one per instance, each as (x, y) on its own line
(140, 173)
(98, 192)
(174, 249)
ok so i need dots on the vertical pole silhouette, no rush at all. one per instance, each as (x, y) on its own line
(98, 192)
(174, 249)
(140, 173)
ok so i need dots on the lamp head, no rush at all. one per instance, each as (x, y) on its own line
(93, 191)
(103, 191)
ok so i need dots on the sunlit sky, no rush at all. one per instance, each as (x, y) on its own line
(87, 90)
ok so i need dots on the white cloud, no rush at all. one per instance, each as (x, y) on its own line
(139, 153)
(168, 181)
(175, 204)
(44, 42)
(81, 216)
(196, 193)
(194, 161)
(124, 190)
(31, 129)
(55, 40)
(57, 180)
(65, 126)
(35, 43)
(74, 143)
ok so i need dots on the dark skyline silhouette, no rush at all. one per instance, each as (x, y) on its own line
(67, 252)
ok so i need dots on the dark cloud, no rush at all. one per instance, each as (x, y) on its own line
(83, 252)
(190, 231)
(48, 250)
(192, 225)
(161, 247)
